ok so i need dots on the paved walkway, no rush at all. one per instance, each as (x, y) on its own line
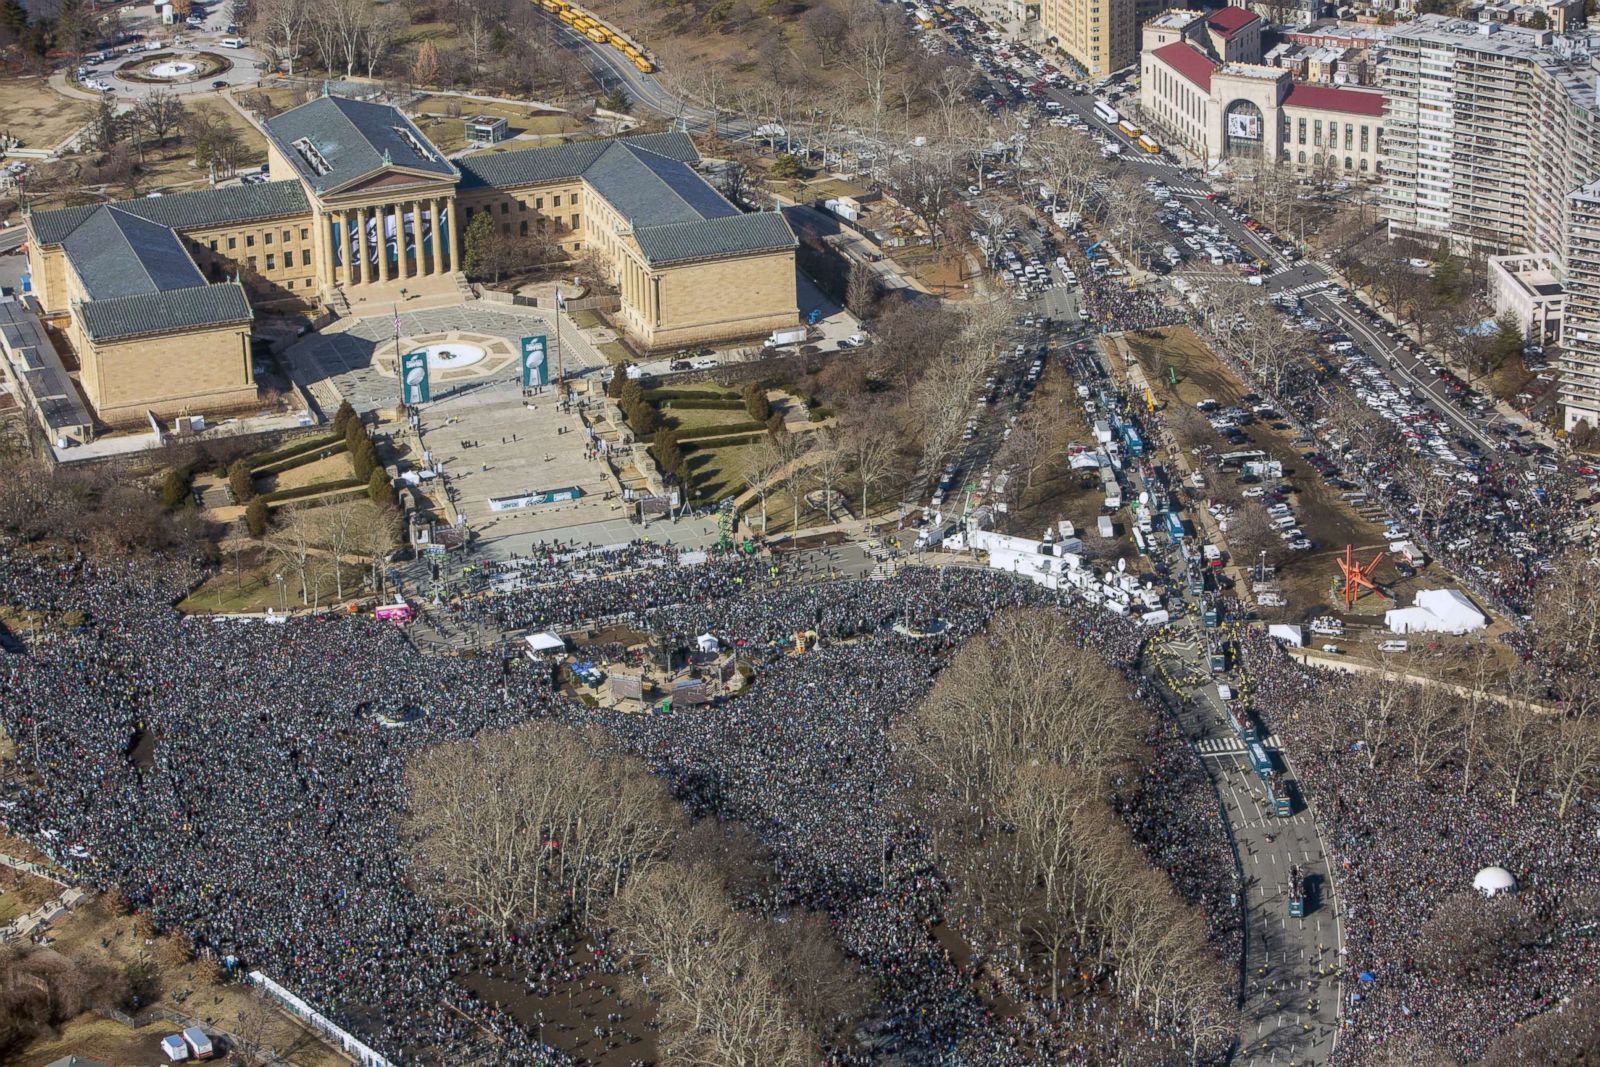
(46, 913)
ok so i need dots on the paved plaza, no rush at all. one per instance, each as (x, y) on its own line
(357, 361)
(490, 443)
(485, 438)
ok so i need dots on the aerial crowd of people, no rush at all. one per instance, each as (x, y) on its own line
(242, 782)
(1404, 843)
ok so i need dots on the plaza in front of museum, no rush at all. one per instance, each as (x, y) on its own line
(495, 451)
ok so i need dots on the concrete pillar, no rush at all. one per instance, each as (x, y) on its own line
(416, 239)
(360, 264)
(435, 205)
(326, 251)
(454, 237)
(382, 211)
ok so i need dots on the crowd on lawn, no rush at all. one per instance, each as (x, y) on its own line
(1402, 845)
(242, 783)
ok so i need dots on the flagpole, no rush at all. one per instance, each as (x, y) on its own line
(560, 366)
(399, 364)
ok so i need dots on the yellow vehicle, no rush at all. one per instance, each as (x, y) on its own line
(595, 35)
(1148, 145)
(569, 17)
(644, 65)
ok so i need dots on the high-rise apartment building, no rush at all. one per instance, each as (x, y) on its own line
(1580, 336)
(1487, 128)
(1097, 34)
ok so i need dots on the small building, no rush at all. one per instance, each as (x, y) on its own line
(486, 130)
(1531, 289)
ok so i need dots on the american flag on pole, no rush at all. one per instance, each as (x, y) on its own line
(561, 301)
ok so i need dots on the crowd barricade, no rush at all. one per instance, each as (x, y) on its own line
(319, 1022)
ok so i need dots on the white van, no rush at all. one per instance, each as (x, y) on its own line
(1392, 646)
(231, 42)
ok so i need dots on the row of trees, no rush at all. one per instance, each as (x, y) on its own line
(1016, 751)
(1486, 724)
(551, 826)
(499, 44)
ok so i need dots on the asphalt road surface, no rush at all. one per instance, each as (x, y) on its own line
(1290, 969)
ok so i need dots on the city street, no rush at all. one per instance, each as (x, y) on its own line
(1291, 1002)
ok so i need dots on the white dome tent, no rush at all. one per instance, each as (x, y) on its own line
(1492, 881)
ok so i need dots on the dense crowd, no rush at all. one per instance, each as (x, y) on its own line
(241, 782)
(1110, 301)
(1401, 845)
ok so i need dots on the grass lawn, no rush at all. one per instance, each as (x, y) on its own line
(696, 418)
(173, 164)
(255, 591)
(332, 469)
(93, 931)
(37, 114)
(21, 893)
(719, 472)
(586, 319)
(615, 352)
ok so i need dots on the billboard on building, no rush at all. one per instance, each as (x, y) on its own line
(535, 362)
(414, 377)
(1244, 127)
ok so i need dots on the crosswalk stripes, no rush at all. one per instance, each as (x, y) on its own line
(1228, 746)
(1187, 190)
(1308, 287)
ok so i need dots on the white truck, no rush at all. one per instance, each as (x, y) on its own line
(793, 335)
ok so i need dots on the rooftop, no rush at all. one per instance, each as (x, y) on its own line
(185, 211)
(333, 142)
(165, 312)
(1192, 63)
(1252, 70)
(1176, 18)
(1229, 21)
(1328, 98)
(117, 253)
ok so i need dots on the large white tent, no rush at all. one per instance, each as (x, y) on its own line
(1444, 611)
(545, 641)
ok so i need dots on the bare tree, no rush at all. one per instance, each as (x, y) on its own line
(281, 25)
(546, 823)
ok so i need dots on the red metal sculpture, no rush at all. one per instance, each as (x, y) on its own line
(1357, 577)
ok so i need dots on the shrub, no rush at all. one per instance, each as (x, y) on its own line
(299, 448)
(241, 481)
(255, 517)
(631, 395)
(775, 423)
(175, 490)
(723, 442)
(644, 419)
(342, 417)
(617, 382)
(331, 449)
(309, 490)
(756, 403)
(379, 491)
(699, 403)
(364, 460)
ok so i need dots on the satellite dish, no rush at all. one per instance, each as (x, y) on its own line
(1122, 566)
